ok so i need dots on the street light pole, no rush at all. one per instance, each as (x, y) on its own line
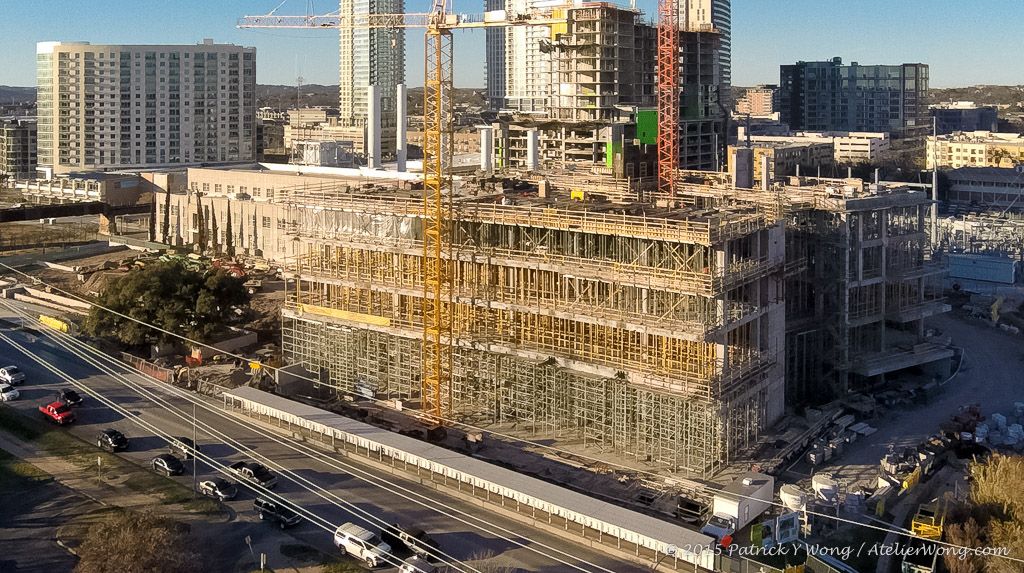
(195, 448)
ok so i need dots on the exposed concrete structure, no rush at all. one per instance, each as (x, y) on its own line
(401, 143)
(373, 127)
(858, 288)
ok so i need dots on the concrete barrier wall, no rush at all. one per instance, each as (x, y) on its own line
(58, 299)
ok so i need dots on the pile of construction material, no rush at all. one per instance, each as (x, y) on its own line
(843, 431)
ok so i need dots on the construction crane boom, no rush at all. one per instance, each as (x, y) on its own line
(438, 127)
(493, 19)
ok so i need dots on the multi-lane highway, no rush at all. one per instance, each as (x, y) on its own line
(463, 530)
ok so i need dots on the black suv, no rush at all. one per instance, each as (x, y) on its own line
(168, 464)
(112, 440)
(184, 446)
(282, 514)
(412, 538)
(69, 397)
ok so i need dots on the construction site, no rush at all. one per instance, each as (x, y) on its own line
(593, 312)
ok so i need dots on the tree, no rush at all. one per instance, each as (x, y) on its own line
(167, 295)
(132, 542)
(994, 516)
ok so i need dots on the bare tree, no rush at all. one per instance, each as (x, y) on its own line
(132, 542)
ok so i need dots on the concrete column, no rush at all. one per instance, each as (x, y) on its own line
(766, 175)
(532, 154)
(486, 149)
(373, 127)
(400, 149)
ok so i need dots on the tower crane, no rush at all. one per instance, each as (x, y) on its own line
(668, 95)
(438, 128)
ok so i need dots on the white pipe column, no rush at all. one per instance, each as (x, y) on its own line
(766, 173)
(400, 151)
(532, 156)
(373, 127)
(486, 149)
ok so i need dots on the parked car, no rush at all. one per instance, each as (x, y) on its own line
(413, 539)
(168, 464)
(58, 413)
(219, 488)
(69, 397)
(184, 446)
(417, 565)
(112, 440)
(12, 375)
(8, 393)
(361, 543)
(277, 511)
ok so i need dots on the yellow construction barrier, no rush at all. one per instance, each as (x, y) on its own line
(345, 315)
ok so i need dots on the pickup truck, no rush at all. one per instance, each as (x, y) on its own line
(253, 472)
(58, 412)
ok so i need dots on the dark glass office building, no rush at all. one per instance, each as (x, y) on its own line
(830, 96)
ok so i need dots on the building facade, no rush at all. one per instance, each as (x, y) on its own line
(371, 57)
(964, 116)
(715, 14)
(762, 100)
(830, 96)
(848, 147)
(993, 187)
(975, 149)
(18, 144)
(129, 107)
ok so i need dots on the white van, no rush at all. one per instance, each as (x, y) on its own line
(361, 543)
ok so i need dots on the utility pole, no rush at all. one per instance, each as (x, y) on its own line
(935, 184)
(195, 449)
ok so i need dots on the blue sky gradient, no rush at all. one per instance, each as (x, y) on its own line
(966, 43)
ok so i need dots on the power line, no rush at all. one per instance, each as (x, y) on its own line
(706, 487)
(309, 452)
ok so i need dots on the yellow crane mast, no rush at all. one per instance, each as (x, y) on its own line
(437, 160)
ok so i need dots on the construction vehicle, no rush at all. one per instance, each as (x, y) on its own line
(929, 520)
(438, 129)
(740, 503)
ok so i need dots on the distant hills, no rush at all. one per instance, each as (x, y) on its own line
(9, 94)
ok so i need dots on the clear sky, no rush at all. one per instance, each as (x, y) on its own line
(965, 42)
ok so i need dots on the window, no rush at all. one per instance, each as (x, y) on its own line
(206, 187)
(218, 188)
(266, 222)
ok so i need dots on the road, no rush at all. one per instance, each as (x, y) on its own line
(459, 540)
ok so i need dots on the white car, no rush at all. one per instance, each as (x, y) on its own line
(11, 375)
(8, 393)
(361, 543)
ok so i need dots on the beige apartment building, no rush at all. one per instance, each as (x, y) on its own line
(976, 149)
(111, 107)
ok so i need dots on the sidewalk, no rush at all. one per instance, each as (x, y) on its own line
(72, 477)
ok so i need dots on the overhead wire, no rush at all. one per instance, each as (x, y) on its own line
(667, 479)
(309, 452)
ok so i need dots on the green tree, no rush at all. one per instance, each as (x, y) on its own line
(131, 542)
(167, 295)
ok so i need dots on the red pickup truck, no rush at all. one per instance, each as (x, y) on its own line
(58, 412)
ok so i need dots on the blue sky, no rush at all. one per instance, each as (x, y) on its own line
(965, 43)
